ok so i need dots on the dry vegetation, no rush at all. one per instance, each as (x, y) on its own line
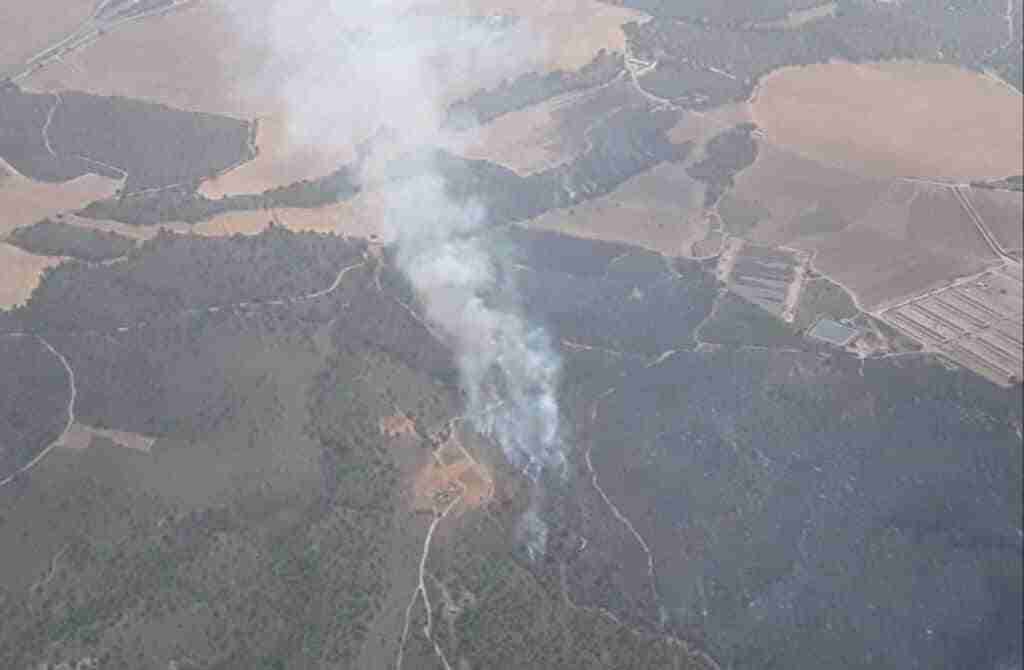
(359, 217)
(282, 160)
(25, 202)
(198, 59)
(881, 240)
(1002, 212)
(526, 141)
(894, 119)
(29, 27)
(659, 210)
(21, 274)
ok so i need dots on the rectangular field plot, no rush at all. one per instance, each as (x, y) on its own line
(769, 278)
(976, 323)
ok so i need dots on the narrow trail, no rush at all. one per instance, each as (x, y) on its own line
(52, 572)
(57, 100)
(617, 513)
(70, 411)
(704, 657)
(421, 591)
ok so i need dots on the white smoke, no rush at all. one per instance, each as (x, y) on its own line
(508, 368)
(348, 69)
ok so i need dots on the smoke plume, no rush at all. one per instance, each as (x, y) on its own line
(349, 69)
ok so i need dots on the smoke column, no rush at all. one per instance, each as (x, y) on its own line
(348, 69)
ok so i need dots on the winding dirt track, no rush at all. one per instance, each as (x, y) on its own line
(70, 411)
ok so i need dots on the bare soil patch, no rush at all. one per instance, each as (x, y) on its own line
(81, 436)
(894, 119)
(397, 425)
(21, 274)
(660, 210)
(451, 473)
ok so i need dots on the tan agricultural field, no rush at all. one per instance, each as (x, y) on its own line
(280, 160)
(525, 141)
(790, 186)
(544, 135)
(29, 27)
(134, 232)
(661, 210)
(880, 239)
(359, 217)
(20, 273)
(914, 238)
(894, 119)
(24, 201)
(1002, 212)
(190, 58)
(200, 58)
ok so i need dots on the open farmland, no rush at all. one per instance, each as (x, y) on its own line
(352, 218)
(527, 140)
(659, 210)
(223, 70)
(21, 274)
(280, 159)
(1001, 212)
(840, 114)
(30, 27)
(24, 201)
(882, 240)
(975, 322)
